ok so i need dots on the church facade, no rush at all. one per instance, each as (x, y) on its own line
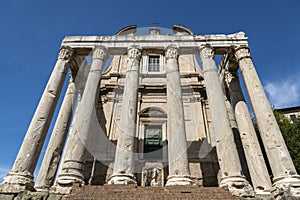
(153, 109)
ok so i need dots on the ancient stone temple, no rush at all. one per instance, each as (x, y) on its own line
(149, 107)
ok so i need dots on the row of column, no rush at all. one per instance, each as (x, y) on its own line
(283, 170)
(178, 161)
(73, 162)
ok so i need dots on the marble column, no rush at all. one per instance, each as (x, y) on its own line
(282, 166)
(52, 156)
(48, 169)
(226, 149)
(179, 173)
(255, 160)
(21, 175)
(72, 169)
(124, 160)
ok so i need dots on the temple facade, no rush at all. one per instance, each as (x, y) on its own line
(151, 108)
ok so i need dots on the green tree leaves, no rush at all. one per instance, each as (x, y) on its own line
(291, 135)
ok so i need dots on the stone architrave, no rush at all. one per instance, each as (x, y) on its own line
(21, 175)
(256, 164)
(74, 159)
(124, 160)
(283, 169)
(48, 169)
(179, 173)
(227, 153)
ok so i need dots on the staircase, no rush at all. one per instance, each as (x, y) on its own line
(117, 192)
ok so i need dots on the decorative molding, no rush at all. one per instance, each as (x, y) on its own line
(100, 52)
(171, 53)
(134, 53)
(242, 52)
(65, 53)
(206, 52)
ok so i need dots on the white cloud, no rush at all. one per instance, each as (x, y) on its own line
(284, 93)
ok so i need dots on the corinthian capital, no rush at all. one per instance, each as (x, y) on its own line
(65, 53)
(171, 53)
(134, 53)
(100, 52)
(206, 52)
(242, 52)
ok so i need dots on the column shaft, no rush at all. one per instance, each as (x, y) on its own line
(179, 173)
(255, 160)
(226, 149)
(73, 166)
(124, 160)
(48, 169)
(25, 163)
(276, 150)
(52, 156)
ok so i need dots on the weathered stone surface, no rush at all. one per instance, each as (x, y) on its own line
(194, 125)
(55, 197)
(282, 166)
(7, 196)
(255, 160)
(73, 166)
(124, 163)
(52, 156)
(49, 167)
(188, 44)
(31, 195)
(25, 163)
(228, 160)
(179, 173)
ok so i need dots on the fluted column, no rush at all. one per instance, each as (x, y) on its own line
(21, 175)
(179, 173)
(226, 149)
(282, 166)
(73, 166)
(124, 160)
(255, 160)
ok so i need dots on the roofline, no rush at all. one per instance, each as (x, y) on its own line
(288, 108)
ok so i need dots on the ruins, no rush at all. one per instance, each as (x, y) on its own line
(154, 117)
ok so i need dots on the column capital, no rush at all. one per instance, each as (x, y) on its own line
(65, 53)
(134, 53)
(242, 52)
(171, 52)
(206, 52)
(100, 52)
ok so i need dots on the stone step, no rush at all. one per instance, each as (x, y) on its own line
(133, 192)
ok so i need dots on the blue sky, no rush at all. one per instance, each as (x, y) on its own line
(31, 33)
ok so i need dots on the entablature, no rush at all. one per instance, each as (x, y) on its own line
(187, 44)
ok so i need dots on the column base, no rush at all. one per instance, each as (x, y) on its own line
(178, 180)
(237, 186)
(262, 190)
(286, 186)
(42, 188)
(17, 182)
(122, 179)
(65, 182)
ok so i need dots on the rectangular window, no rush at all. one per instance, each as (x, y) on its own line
(153, 63)
(153, 142)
